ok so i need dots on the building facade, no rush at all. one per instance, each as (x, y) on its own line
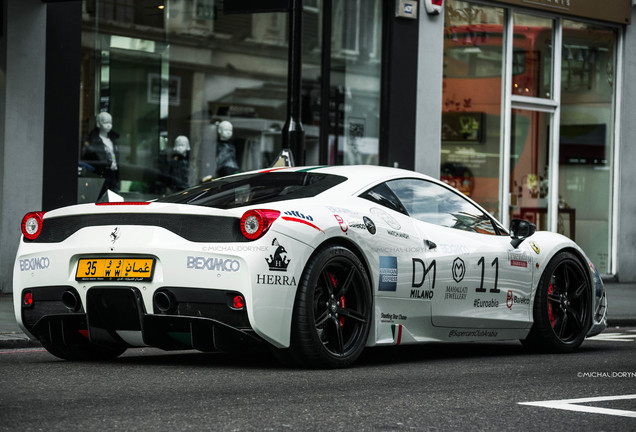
(524, 106)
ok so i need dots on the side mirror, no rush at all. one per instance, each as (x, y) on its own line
(520, 230)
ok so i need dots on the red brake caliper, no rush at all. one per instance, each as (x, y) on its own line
(334, 282)
(342, 305)
(550, 313)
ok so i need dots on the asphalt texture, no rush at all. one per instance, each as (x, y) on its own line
(425, 388)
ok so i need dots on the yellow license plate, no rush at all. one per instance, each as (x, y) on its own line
(115, 269)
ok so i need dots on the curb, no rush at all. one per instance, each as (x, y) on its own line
(17, 340)
(621, 322)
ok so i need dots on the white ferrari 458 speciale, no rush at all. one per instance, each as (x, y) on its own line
(313, 263)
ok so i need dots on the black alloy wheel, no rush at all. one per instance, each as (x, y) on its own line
(562, 307)
(332, 313)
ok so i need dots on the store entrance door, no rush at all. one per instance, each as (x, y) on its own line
(530, 167)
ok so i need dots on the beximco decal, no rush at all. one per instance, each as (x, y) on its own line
(40, 263)
(217, 264)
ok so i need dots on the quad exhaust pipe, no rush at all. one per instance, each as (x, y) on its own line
(71, 300)
(165, 302)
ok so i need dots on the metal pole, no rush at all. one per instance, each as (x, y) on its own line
(325, 84)
(293, 132)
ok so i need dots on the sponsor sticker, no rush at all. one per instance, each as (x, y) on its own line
(459, 269)
(390, 220)
(422, 294)
(296, 216)
(357, 224)
(397, 234)
(472, 333)
(299, 215)
(271, 279)
(343, 225)
(342, 210)
(391, 317)
(278, 261)
(456, 293)
(388, 273)
(519, 259)
(369, 224)
(213, 264)
(492, 303)
(39, 263)
(512, 299)
(420, 273)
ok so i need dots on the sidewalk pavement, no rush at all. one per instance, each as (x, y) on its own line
(621, 313)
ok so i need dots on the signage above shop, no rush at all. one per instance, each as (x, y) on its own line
(255, 6)
(406, 9)
(619, 12)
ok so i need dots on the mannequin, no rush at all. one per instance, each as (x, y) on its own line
(102, 153)
(225, 151)
(178, 164)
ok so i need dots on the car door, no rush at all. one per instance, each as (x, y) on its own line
(397, 245)
(475, 273)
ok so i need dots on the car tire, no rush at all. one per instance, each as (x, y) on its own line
(332, 311)
(82, 352)
(562, 306)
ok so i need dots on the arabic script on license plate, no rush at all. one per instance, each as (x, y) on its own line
(115, 269)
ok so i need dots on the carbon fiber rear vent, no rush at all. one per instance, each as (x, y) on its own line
(195, 228)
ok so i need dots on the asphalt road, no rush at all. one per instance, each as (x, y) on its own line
(432, 387)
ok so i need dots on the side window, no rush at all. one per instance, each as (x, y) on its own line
(432, 203)
(382, 195)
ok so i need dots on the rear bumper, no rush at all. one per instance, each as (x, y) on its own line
(198, 319)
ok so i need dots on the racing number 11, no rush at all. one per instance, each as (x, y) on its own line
(495, 264)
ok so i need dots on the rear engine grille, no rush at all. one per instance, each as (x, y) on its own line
(195, 228)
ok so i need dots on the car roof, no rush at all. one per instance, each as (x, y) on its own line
(362, 177)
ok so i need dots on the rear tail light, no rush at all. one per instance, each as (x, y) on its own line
(32, 225)
(238, 302)
(255, 223)
(27, 300)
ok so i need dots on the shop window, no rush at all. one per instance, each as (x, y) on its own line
(532, 58)
(354, 96)
(173, 74)
(169, 77)
(471, 100)
(586, 136)
(356, 83)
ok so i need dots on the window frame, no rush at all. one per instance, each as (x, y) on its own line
(498, 229)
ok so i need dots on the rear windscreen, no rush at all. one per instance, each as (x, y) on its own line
(255, 188)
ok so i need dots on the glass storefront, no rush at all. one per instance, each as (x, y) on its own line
(554, 154)
(530, 148)
(193, 93)
(529, 166)
(471, 101)
(588, 73)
